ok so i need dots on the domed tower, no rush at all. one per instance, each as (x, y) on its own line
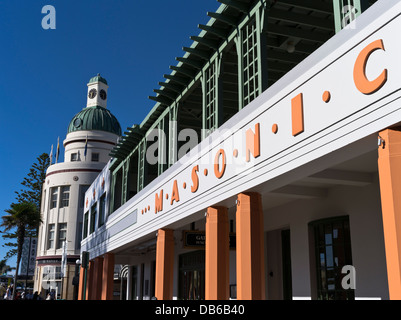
(91, 135)
(93, 131)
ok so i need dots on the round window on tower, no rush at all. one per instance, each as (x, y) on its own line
(77, 122)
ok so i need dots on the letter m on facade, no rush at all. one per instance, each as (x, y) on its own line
(159, 201)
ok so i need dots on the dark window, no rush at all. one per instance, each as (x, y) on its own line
(102, 209)
(132, 181)
(95, 157)
(86, 220)
(50, 236)
(192, 275)
(332, 244)
(93, 218)
(74, 157)
(65, 196)
(117, 189)
(54, 195)
(62, 234)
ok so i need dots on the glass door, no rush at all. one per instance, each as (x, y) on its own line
(192, 276)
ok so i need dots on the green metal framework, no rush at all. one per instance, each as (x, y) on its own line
(251, 58)
(210, 103)
(345, 11)
(141, 165)
(239, 53)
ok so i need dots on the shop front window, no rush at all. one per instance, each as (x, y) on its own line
(51, 282)
(332, 244)
(192, 276)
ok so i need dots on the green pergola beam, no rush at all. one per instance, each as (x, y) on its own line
(161, 100)
(171, 86)
(135, 130)
(221, 33)
(240, 6)
(190, 62)
(283, 56)
(128, 142)
(121, 152)
(299, 47)
(206, 42)
(124, 148)
(165, 94)
(223, 18)
(198, 52)
(176, 79)
(295, 32)
(314, 5)
(184, 71)
(292, 17)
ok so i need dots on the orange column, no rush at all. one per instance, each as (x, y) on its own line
(81, 284)
(89, 281)
(250, 247)
(96, 288)
(108, 277)
(217, 254)
(164, 264)
(390, 189)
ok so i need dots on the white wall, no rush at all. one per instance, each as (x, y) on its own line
(75, 143)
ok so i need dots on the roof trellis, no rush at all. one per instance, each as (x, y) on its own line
(308, 21)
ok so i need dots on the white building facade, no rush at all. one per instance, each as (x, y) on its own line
(92, 133)
(295, 195)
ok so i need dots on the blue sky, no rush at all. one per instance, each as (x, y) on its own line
(43, 73)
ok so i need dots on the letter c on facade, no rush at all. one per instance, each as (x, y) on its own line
(362, 83)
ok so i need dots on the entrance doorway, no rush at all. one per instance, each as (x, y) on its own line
(192, 276)
(278, 255)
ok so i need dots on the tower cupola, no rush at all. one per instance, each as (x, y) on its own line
(97, 92)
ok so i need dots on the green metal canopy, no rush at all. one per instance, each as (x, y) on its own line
(127, 143)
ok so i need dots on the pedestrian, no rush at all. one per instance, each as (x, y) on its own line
(29, 295)
(9, 293)
(35, 296)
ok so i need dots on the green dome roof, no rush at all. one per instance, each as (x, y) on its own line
(97, 79)
(95, 118)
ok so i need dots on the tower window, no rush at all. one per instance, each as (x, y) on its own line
(65, 196)
(95, 157)
(62, 234)
(74, 157)
(50, 236)
(54, 194)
